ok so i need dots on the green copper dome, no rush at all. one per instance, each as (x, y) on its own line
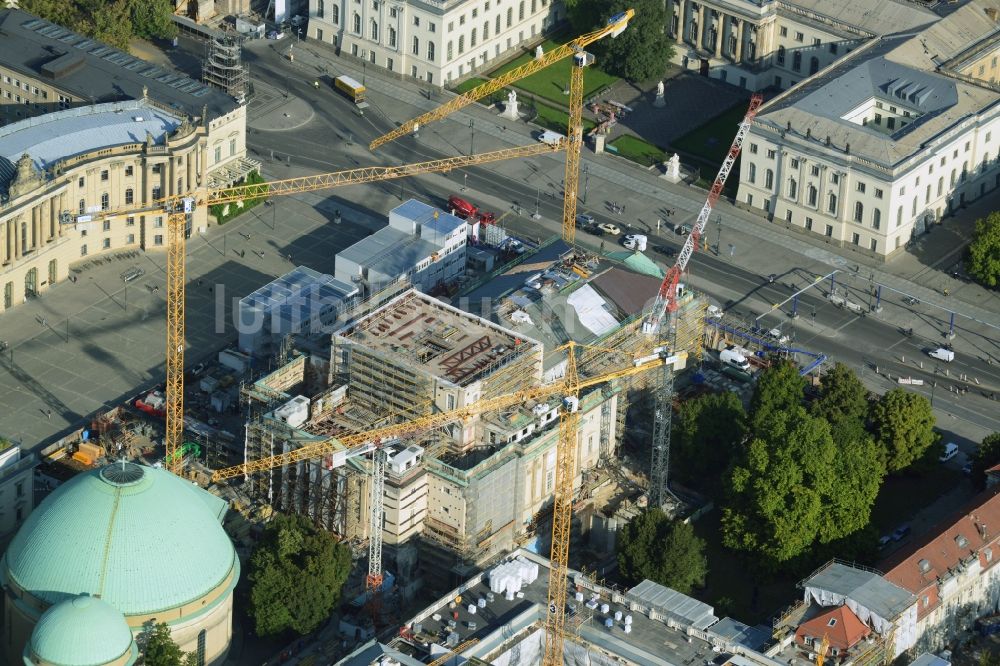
(83, 631)
(140, 539)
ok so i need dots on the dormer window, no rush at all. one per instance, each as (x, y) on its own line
(832, 622)
(924, 566)
(961, 541)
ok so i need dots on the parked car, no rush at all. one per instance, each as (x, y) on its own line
(584, 220)
(665, 250)
(884, 540)
(609, 228)
(950, 451)
(967, 468)
(635, 242)
(594, 229)
(900, 532)
(198, 369)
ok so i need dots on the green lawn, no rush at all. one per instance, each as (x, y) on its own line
(550, 82)
(555, 119)
(469, 84)
(711, 141)
(638, 150)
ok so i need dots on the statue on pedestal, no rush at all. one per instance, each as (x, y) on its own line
(659, 102)
(511, 110)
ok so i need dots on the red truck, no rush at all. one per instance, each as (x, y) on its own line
(465, 210)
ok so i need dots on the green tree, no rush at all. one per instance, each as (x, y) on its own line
(158, 646)
(643, 50)
(859, 471)
(983, 261)
(779, 489)
(707, 433)
(842, 396)
(668, 552)
(111, 23)
(151, 19)
(780, 388)
(903, 426)
(296, 576)
(986, 456)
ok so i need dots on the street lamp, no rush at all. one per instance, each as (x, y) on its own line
(364, 66)
(472, 136)
(586, 181)
(718, 238)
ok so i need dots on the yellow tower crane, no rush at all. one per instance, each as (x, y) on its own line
(574, 131)
(178, 207)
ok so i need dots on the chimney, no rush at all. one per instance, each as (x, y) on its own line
(982, 531)
(828, 139)
(847, 149)
(992, 13)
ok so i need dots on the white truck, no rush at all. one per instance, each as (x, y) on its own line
(735, 357)
(635, 242)
(551, 138)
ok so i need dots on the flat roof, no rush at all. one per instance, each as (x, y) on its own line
(96, 72)
(389, 251)
(432, 219)
(440, 339)
(56, 136)
(648, 642)
(867, 588)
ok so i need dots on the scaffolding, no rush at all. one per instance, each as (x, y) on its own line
(224, 68)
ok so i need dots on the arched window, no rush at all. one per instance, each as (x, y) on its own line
(520, 11)
(496, 28)
(430, 51)
(793, 188)
(392, 37)
(83, 206)
(813, 195)
(899, 217)
(876, 218)
(752, 173)
(859, 211)
(357, 23)
(129, 196)
(319, 9)
(831, 204)
(486, 30)
(335, 15)
(797, 61)
(510, 16)
(374, 30)
(813, 65)
(769, 179)
(940, 185)
(781, 56)
(952, 182)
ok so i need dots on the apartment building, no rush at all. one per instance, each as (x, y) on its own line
(951, 571)
(127, 133)
(872, 151)
(437, 41)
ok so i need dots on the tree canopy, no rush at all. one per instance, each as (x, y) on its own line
(780, 388)
(842, 396)
(641, 52)
(986, 456)
(707, 433)
(903, 426)
(779, 490)
(296, 573)
(668, 552)
(113, 22)
(159, 649)
(983, 261)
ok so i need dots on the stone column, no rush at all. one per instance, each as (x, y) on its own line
(681, 19)
(738, 56)
(720, 33)
(58, 212)
(700, 44)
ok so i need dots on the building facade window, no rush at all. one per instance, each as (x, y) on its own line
(450, 52)
(769, 179)
(781, 56)
(430, 51)
(373, 32)
(793, 188)
(813, 195)
(831, 204)
(520, 11)
(797, 61)
(357, 23)
(416, 45)
(876, 218)
(813, 65)
(320, 10)
(392, 38)
(335, 15)
(859, 212)
(752, 173)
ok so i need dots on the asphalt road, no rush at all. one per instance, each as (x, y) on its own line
(878, 350)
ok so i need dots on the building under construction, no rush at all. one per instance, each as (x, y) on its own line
(458, 497)
(224, 67)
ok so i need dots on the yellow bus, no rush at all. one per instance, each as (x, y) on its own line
(351, 88)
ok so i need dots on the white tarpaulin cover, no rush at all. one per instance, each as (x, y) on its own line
(590, 308)
(510, 576)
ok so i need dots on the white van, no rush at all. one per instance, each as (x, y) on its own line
(734, 356)
(950, 451)
(551, 138)
(942, 354)
(635, 242)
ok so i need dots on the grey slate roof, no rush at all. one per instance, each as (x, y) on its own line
(95, 71)
(54, 136)
(816, 105)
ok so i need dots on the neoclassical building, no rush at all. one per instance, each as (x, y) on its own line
(870, 152)
(87, 128)
(760, 43)
(437, 41)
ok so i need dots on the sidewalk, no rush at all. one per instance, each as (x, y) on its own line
(758, 245)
